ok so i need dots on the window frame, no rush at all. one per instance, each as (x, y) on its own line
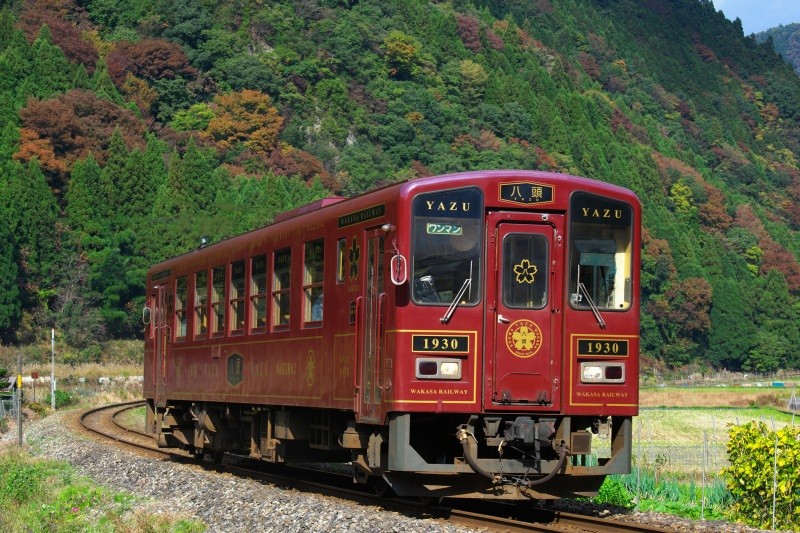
(181, 315)
(313, 281)
(281, 295)
(237, 298)
(217, 301)
(257, 295)
(200, 327)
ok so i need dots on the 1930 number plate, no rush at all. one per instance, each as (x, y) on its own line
(602, 347)
(440, 343)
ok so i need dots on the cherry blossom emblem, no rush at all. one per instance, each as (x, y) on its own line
(525, 271)
(523, 338)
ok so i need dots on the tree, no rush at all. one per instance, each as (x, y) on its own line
(245, 117)
(10, 307)
(51, 71)
(113, 175)
(86, 204)
(191, 185)
(32, 213)
(76, 124)
(149, 59)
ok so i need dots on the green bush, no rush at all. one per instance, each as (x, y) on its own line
(63, 399)
(757, 475)
(613, 492)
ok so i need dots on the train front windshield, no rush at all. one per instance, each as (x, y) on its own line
(601, 253)
(448, 240)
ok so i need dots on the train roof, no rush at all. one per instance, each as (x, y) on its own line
(336, 203)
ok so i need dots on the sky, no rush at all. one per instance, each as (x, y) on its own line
(760, 15)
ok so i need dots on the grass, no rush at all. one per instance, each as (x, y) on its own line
(48, 496)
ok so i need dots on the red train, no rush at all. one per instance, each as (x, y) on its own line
(461, 335)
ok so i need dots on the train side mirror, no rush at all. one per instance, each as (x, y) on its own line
(146, 315)
(398, 267)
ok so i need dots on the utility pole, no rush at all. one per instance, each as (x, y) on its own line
(19, 399)
(53, 369)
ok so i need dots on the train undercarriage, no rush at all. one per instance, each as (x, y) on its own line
(492, 456)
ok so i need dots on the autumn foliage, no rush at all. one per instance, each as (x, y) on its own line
(149, 59)
(245, 117)
(72, 125)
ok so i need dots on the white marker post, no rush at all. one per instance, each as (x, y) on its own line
(53, 369)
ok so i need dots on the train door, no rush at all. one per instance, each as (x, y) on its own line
(161, 319)
(370, 335)
(523, 296)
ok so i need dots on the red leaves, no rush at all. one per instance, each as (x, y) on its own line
(66, 36)
(150, 59)
(64, 129)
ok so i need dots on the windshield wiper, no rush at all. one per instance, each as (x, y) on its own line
(452, 309)
(595, 310)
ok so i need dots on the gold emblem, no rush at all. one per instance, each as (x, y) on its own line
(355, 253)
(525, 271)
(310, 367)
(523, 338)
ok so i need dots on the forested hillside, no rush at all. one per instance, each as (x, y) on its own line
(786, 41)
(131, 128)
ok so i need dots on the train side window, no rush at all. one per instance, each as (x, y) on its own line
(181, 304)
(200, 301)
(281, 288)
(341, 253)
(312, 281)
(218, 300)
(601, 253)
(236, 297)
(258, 292)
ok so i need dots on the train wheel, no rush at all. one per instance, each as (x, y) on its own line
(217, 457)
(379, 487)
(198, 453)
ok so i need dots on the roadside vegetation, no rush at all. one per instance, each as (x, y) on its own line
(49, 496)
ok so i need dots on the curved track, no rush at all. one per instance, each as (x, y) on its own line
(106, 422)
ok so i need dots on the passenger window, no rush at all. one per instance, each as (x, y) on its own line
(236, 297)
(200, 301)
(258, 291)
(312, 280)
(281, 288)
(181, 304)
(218, 300)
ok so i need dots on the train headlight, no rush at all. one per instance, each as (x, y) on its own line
(450, 369)
(438, 368)
(591, 372)
(602, 372)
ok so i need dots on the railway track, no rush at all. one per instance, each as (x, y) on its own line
(107, 423)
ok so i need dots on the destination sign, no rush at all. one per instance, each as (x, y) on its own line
(526, 193)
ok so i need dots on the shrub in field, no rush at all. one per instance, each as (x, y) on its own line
(63, 399)
(613, 492)
(765, 467)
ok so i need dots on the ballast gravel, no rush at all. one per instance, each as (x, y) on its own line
(227, 504)
(224, 503)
